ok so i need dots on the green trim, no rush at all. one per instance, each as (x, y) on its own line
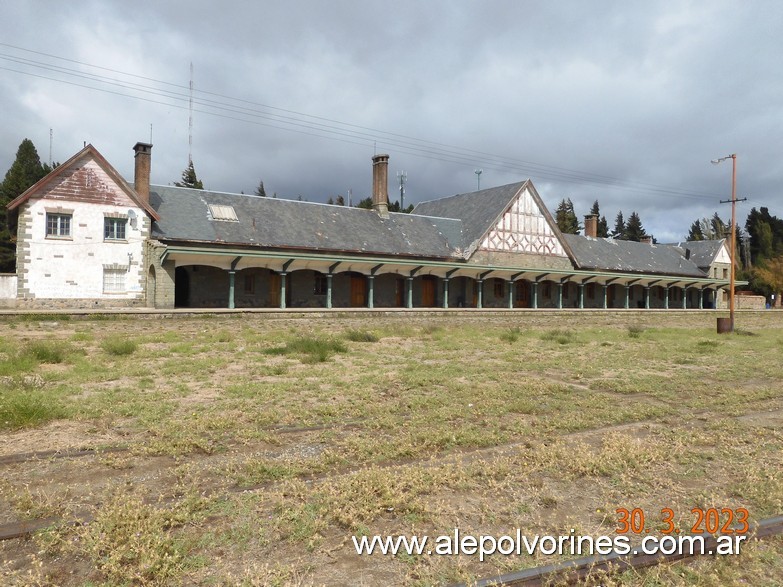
(450, 266)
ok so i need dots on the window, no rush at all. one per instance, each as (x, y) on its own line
(319, 287)
(58, 225)
(250, 284)
(591, 291)
(114, 280)
(499, 288)
(114, 229)
(547, 290)
(725, 274)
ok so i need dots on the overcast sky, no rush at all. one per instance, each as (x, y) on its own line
(617, 101)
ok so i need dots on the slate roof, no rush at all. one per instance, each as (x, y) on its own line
(702, 253)
(287, 224)
(630, 257)
(478, 211)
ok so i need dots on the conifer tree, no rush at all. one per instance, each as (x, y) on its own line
(189, 179)
(565, 217)
(24, 172)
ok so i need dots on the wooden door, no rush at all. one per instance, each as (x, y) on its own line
(358, 291)
(400, 293)
(428, 291)
(274, 290)
(522, 294)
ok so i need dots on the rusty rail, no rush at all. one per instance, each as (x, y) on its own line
(583, 568)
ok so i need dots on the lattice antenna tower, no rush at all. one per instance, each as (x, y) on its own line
(403, 177)
(190, 118)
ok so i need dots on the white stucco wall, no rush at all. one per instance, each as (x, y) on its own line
(73, 268)
(7, 286)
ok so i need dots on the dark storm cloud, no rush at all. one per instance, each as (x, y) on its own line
(632, 96)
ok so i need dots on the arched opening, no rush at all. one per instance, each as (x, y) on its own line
(181, 288)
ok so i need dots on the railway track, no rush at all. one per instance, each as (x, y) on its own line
(581, 569)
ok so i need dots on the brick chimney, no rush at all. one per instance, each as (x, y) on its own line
(380, 185)
(591, 225)
(141, 177)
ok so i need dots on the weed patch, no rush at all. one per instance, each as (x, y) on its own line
(560, 336)
(119, 346)
(315, 350)
(361, 336)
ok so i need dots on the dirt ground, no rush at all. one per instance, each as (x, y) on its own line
(214, 454)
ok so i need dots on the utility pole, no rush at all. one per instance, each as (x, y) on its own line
(478, 173)
(403, 177)
(733, 202)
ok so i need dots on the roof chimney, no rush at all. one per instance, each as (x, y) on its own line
(591, 225)
(141, 177)
(380, 185)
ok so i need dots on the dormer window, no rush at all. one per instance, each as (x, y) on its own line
(223, 213)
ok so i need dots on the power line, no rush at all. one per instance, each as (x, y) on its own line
(321, 127)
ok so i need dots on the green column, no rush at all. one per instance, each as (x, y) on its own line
(560, 296)
(409, 292)
(684, 298)
(371, 291)
(666, 299)
(581, 295)
(535, 295)
(701, 298)
(646, 297)
(511, 286)
(445, 293)
(328, 290)
(282, 289)
(606, 300)
(231, 275)
(480, 296)
(627, 296)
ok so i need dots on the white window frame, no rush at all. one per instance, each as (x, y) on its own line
(61, 223)
(111, 226)
(114, 281)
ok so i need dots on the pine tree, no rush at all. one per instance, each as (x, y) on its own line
(633, 229)
(603, 228)
(695, 233)
(340, 201)
(619, 226)
(24, 172)
(260, 191)
(189, 179)
(565, 217)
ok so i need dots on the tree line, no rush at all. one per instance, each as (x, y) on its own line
(759, 247)
(629, 230)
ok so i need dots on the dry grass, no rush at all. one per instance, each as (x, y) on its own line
(276, 440)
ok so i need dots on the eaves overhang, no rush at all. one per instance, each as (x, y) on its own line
(375, 265)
